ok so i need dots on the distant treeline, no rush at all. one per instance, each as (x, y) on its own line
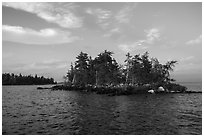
(11, 79)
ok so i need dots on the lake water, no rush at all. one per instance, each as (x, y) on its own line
(26, 110)
(194, 86)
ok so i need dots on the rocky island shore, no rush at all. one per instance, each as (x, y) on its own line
(126, 89)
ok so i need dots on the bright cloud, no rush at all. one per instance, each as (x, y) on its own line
(133, 46)
(30, 36)
(152, 35)
(102, 16)
(55, 13)
(198, 40)
(100, 13)
(124, 15)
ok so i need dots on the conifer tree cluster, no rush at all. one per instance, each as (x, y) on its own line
(104, 70)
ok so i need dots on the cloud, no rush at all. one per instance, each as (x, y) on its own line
(37, 66)
(30, 36)
(33, 66)
(133, 46)
(102, 16)
(198, 40)
(58, 13)
(124, 15)
(112, 32)
(152, 35)
(185, 59)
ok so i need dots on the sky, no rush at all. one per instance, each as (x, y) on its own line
(44, 38)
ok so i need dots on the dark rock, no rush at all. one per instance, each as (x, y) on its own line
(40, 88)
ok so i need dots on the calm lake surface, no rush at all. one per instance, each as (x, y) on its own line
(26, 110)
(194, 86)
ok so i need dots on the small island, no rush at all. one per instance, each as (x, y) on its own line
(103, 75)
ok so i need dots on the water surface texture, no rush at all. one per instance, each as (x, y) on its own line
(26, 110)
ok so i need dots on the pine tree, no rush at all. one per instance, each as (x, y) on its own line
(81, 69)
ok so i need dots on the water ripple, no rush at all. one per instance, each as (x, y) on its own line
(26, 110)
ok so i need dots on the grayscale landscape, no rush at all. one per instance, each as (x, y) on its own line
(101, 68)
